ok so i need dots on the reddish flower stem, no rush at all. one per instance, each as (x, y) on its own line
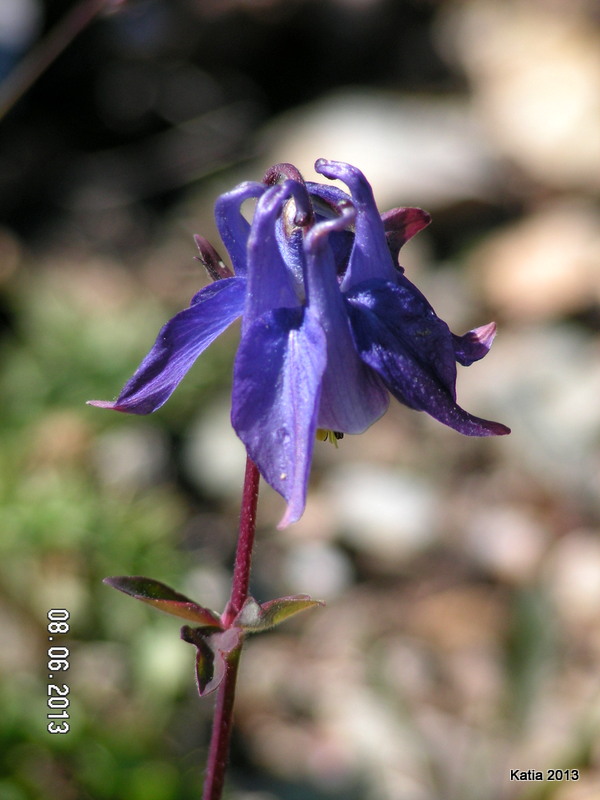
(218, 753)
(243, 555)
(223, 713)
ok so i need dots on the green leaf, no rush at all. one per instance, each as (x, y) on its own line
(213, 652)
(205, 657)
(160, 596)
(255, 617)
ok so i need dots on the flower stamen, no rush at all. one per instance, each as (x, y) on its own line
(325, 435)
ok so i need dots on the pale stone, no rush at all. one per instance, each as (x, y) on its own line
(383, 511)
(428, 152)
(535, 73)
(507, 540)
(213, 456)
(132, 455)
(317, 569)
(573, 574)
(544, 266)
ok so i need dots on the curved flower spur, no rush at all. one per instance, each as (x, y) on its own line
(331, 325)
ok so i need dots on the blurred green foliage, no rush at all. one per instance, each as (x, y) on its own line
(65, 526)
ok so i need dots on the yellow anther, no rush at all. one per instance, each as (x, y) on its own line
(326, 435)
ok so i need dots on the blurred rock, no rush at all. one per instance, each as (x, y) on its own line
(59, 584)
(507, 540)
(61, 438)
(476, 680)
(407, 668)
(383, 512)
(545, 384)
(132, 456)
(19, 651)
(103, 679)
(587, 788)
(208, 584)
(213, 456)
(459, 618)
(429, 151)
(162, 661)
(104, 286)
(317, 569)
(545, 266)
(545, 737)
(572, 572)
(535, 73)
(381, 743)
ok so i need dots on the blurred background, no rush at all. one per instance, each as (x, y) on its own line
(461, 636)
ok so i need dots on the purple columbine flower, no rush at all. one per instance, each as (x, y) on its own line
(330, 324)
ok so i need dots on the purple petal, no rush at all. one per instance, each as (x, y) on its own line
(327, 202)
(328, 198)
(370, 256)
(289, 230)
(401, 224)
(475, 344)
(178, 345)
(403, 310)
(412, 355)
(352, 396)
(276, 389)
(290, 240)
(234, 228)
(270, 280)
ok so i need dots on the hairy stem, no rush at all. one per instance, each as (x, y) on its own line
(243, 554)
(218, 753)
(223, 714)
